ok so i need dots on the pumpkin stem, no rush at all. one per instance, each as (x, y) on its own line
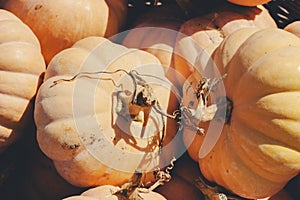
(225, 105)
(128, 191)
(214, 192)
(131, 189)
(136, 104)
(190, 117)
(161, 176)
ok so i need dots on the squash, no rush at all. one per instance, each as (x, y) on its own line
(252, 144)
(192, 8)
(100, 113)
(107, 192)
(21, 68)
(249, 2)
(294, 28)
(58, 25)
(201, 35)
(155, 32)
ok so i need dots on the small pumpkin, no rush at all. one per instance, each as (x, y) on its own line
(58, 25)
(256, 151)
(201, 35)
(100, 113)
(249, 2)
(294, 28)
(155, 32)
(21, 68)
(109, 192)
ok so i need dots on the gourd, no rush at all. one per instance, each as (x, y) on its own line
(155, 32)
(249, 2)
(108, 192)
(59, 24)
(200, 36)
(21, 68)
(100, 113)
(294, 28)
(256, 151)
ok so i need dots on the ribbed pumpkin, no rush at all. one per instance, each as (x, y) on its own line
(201, 35)
(258, 150)
(294, 28)
(106, 192)
(101, 127)
(155, 32)
(249, 2)
(59, 24)
(21, 67)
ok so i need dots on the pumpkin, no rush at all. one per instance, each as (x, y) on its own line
(248, 2)
(100, 113)
(155, 32)
(198, 7)
(106, 192)
(58, 25)
(293, 27)
(21, 68)
(255, 151)
(201, 35)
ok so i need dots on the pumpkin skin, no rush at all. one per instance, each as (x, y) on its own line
(249, 2)
(257, 152)
(21, 67)
(294, 28)
(106, 193)
(58, 26)
(156, 32)
(200, 36)
(75, 152)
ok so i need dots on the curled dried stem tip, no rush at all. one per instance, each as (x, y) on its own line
(131, 189)
(162, 176)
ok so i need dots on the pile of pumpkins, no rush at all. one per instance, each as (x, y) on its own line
(120, 99)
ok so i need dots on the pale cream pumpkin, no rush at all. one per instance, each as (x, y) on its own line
(257, 151)
(106, 192)
(294, 28)
(155, 32)
(21, 68)
(201, 35)
(85, 126)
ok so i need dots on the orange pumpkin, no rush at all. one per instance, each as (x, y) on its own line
(101, 127)
(249, 2)
(257, 147)
(200, 36)
(21, 67)
(58, 25)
